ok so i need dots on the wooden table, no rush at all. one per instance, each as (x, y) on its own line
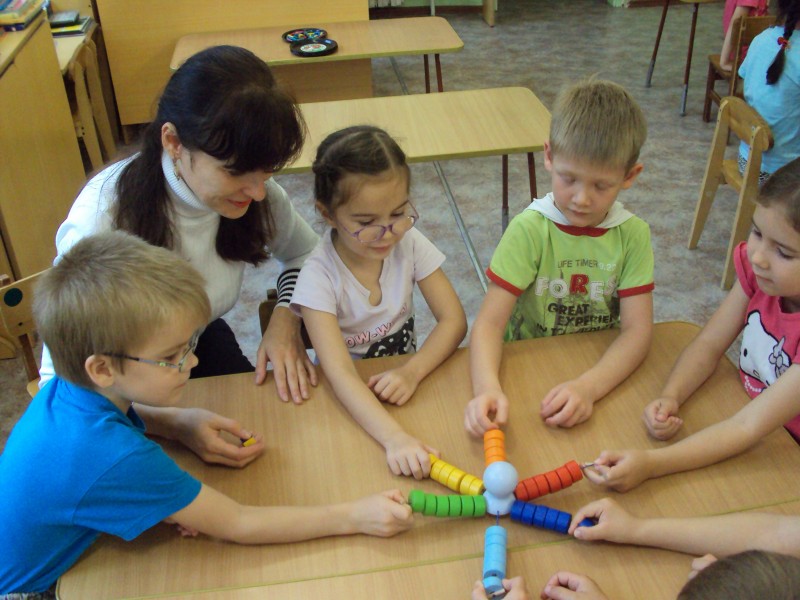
(356, 40)
(316, 453)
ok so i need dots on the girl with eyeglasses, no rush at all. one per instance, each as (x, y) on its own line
(355, 292)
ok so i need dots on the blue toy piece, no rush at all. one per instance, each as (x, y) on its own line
(544, 517)
(494, 559)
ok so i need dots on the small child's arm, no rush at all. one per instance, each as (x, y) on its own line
(488, 408)
(727, 45)
(211, 512)
(772, 408)
(571, 402)
(696, 364)
(405, 454)
(720, 535)
(398, 385)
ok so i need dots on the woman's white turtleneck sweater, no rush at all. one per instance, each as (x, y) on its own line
(195, 232)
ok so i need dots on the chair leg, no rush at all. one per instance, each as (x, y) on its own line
(711, 181)
(710, 80)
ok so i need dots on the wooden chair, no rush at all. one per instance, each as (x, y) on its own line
(265, 310)
(92, 124)
(737, 116)
(744, 29)
(16, 312)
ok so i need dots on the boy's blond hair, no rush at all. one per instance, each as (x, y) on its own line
(109, 294)
(598, 122)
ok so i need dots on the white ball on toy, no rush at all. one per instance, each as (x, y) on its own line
(500, 478)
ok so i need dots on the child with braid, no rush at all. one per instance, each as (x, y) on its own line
(771, 73)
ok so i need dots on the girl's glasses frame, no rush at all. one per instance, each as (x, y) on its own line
(373, 233)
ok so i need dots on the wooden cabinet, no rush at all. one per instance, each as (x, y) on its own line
(41, 170)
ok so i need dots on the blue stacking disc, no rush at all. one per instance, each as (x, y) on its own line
(527, 514)
(539, 515)
(562, 522)
(516, 510)
(494, 552)
(550, 519)
(587, 523)
(492, 585)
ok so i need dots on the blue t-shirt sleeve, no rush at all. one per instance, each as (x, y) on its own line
(141, 489)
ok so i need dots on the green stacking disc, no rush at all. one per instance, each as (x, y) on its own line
(442, 506)
(480, 505)
(430, 505)
(417, 500)
(468, 506)
(455, 506)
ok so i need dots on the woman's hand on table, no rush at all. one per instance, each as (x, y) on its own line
(282, 345)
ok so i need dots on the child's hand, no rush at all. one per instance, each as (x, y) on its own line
(565, 586)
(567, 404)
(394, 386)
(614, 523)
(408, 456)
(515, 590)
(199, 430)
(485, 412)
(620, 471)
(661, 418)
(700, 563)
(383, 515)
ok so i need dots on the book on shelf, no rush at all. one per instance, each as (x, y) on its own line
(19, 14)
(78, 28)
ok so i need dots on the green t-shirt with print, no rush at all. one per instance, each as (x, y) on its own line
(569, 279)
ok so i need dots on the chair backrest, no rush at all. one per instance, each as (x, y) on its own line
(16, 312)
(745, 29)
(750, 127)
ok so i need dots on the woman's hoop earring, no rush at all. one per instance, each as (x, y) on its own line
(175, 170)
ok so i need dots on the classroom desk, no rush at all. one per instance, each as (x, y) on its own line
(356, 40)
(316, 453)
(429, 127)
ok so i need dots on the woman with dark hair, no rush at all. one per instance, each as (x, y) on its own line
(202, 186)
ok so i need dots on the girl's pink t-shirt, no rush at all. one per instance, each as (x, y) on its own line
(758, 8)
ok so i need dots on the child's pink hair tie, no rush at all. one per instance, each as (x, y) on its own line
(783, 43)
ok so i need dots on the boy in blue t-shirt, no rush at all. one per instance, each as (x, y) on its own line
(121, 318)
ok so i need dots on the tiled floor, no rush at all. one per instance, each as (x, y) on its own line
(543, 45)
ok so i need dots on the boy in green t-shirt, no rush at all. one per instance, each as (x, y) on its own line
(573, 261)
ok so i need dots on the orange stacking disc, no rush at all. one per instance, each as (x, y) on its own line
(494, 446)
(549, 482)
(575, 470)
(553, 481)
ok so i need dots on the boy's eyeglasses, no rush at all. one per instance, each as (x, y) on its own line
(163, 363)
(373, 233)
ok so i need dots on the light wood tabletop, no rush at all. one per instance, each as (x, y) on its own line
(462, 124)
(355, 39)
(317, 454)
